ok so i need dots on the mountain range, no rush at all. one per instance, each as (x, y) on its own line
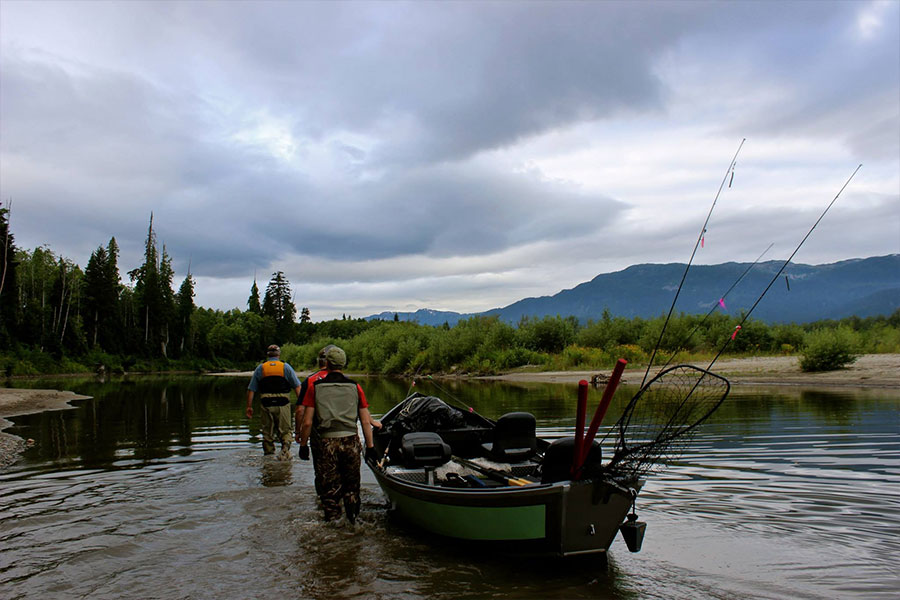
(862, 287)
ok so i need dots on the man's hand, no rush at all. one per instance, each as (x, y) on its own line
(376, 424)
(249, 412)
(297, 434)
(303, 452)
(372, 455)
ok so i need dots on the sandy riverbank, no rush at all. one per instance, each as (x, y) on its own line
(15, 402)
(870, 370)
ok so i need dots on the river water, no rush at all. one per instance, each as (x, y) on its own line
(157, 488)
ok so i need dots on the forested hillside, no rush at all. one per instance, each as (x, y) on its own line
(864, 287)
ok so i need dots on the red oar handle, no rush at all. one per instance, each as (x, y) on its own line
(601, 410)
(579, 422)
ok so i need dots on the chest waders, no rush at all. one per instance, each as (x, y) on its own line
(337, 411)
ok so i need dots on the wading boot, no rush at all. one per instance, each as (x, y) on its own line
(285, 453)
(352, 510)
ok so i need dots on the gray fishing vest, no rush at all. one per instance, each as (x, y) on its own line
(337, 408)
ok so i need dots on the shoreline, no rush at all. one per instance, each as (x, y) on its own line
(16, 402)
(869, 371)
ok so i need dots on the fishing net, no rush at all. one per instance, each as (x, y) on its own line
(663, 417)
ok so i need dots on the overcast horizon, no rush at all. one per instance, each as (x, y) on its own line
(459, 156)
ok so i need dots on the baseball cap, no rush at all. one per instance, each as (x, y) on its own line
(336, 357)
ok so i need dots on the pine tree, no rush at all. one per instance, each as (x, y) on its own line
(153, 297)
(278, 305)
(304, 315)
(253, 301)
(184, 310)
(112, 338)
(94, 293)
(100, 292)
(166, 300)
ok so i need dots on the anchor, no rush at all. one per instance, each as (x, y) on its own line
(633, 530)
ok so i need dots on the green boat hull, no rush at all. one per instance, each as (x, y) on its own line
(563, 519)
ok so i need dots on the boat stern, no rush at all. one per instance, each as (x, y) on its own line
(592, 514)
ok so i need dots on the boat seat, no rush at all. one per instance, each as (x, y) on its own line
(466, 441)
(559, 456)
(423, 449)
(514, 438)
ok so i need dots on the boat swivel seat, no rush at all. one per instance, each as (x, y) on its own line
(423, 449)
(514, 438)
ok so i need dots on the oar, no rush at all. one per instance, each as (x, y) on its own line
(492, 473)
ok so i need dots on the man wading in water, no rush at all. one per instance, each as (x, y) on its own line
(314, 444)
(273, 381)
(332, 405)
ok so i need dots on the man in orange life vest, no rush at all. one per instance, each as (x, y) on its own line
(333, 404)
(273, 381)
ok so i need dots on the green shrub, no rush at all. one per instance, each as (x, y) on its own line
(630, 352)
(23, 367)
(829, 349)
(547, 334)
(298, 356)
(519, 357)
(882, 339)
(69, 366)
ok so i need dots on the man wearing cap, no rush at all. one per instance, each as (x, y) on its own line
(314, 445)
(332, 405)
(273, 380)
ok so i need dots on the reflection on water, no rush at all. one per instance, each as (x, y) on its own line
(158, 488)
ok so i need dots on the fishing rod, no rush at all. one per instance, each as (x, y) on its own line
(783, 267)
(666, 412)
(412, 383)
(716, 305)
(444, 391)
(687, 267)
(678, 412)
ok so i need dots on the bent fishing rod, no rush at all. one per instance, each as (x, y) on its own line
(783, 267)
(687, 267)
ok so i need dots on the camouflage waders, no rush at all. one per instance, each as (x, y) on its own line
(276, 425)
(315, 447)
(338, 468)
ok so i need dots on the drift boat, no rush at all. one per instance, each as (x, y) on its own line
(455, 473)
(460, 475)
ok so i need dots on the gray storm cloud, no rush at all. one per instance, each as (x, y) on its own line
(374, 137)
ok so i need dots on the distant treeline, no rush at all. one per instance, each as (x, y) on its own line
(57, 318)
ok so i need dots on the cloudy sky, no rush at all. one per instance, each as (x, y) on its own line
(454, 156)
